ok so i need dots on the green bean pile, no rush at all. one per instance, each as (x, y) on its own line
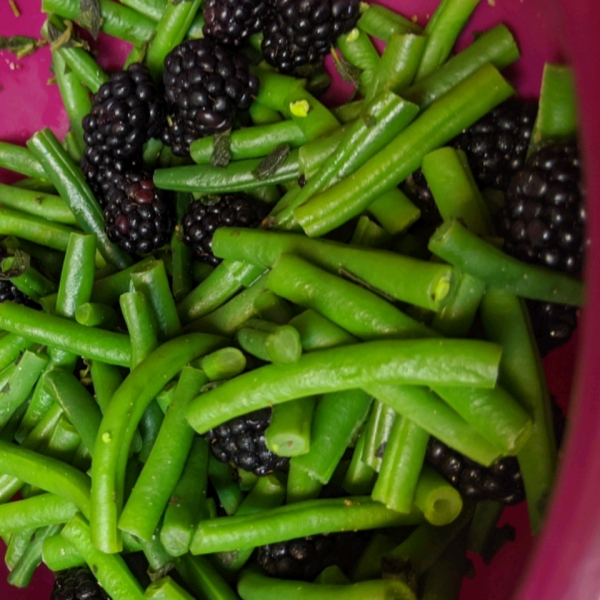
(363, 345)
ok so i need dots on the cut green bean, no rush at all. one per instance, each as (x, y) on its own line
(153, 9)
(458, 109)
(370, 234)
(187, 502)
(141, 325)
(270, 307)
(16, 545)
(20, 160)
(118, 426)
(65, 443)
(382, 23)
(166, 589)
(419, 403)
(424, 284)
(337, 419)
(150, 425)
(110, 570)
(436, 498)
(359, 51)
(418, 362)
(279, 344)
(301, 486)
(224, 479)
(288, 434)
(377, 432)
(154, 486)
(394, 211)
(11, 346)
(39, 204)
(401, 465)
(317, 332)
(201, 577)
(38, 511)
(455, 244)
(93, 314)
(31, 282)
(445, 578)
(107, 346)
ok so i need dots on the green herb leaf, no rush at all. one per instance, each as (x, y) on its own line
(349, 73)
(66, 38)
(271, 163)
(90, 18)
(221, 155)
(369, 120)
(20, 45)
(17, 266)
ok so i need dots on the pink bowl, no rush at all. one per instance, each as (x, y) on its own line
(563, 563)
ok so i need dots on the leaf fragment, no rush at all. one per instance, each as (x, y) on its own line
(90, 17)
(20, 45)
(271, 163)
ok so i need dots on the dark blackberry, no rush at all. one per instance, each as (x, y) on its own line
(496, 146)
(543, 222)
(231, 22)
(9, 291)
(502, 481)
(304, 558)
(241, 442)
(77, 584)
(138, 217)
(126, 112)
(231, 210)
(206, 85)
(423, 198)
(301, 32)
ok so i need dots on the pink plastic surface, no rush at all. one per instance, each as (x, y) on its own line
(565, 561)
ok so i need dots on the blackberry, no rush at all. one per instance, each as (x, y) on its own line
(138, 217)
(241, 441)
(231, 210)
(301, 32)
(231, 22)
(304, 558)
(77, 584)
(9, 291)
(502, 481)
(543, 222)
(126, 111)
(206, 85)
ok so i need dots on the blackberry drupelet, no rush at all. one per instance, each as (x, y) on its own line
(304, 558)
(231, 210)
(301, 32)
(138, 217)
(126, 112)
(206, 85)
(77, 584)
(232, 22)
(502, 481)
(543, 222)
(241, 442)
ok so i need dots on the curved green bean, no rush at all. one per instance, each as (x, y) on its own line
(317, 332)
(39, 204)
(20, 160)
(34, 512)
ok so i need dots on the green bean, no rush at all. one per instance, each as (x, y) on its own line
(377, 432)
(288, 434)
(117, 20)
(496, 46)
(418, 404)
(268, 493)
(34, 184)
(301, 486)
(222, 364)
(455, 244)
(20, 160)
(357, 310)
(156, 555)
(483, 526)
(401, 465)
(263, 115)
(72, 146)
(296, 520)
(370, 234)
(20, 383)
(337, 419)
(251, 142)
(32, 283)
(106, 379)
(237, 176)
(141, 326)
(394, 211)
(169, 32)
(16, 545)
(166, 589)
(38, 511)
(65, 442)
(279, 344)
(107, 346)
(220, 285)
(442, 31)
(72, 187)
(187, 502)
(227, 319)
(347, 112)
(166, 461)
(369, 563)
(332, 575)
(201, 577)
(359, 51)
(23, 571)
(223, 478)
(436, 498)
(110, 570)
(109, 289)
(11, 346)
(494, 413)
(380, 122)
(50, 261)
(47, 206)
(118, 426)
(46, 473)
(505, 320)
(247, 480)
(38, 422)
(94, 314)
(428, 361)
(460, 107)
(424, 284)
(382, 23)
(317, 332)
(153, 9)
(270, 307)
(9, 431)
(253, 585)
(150, 425)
